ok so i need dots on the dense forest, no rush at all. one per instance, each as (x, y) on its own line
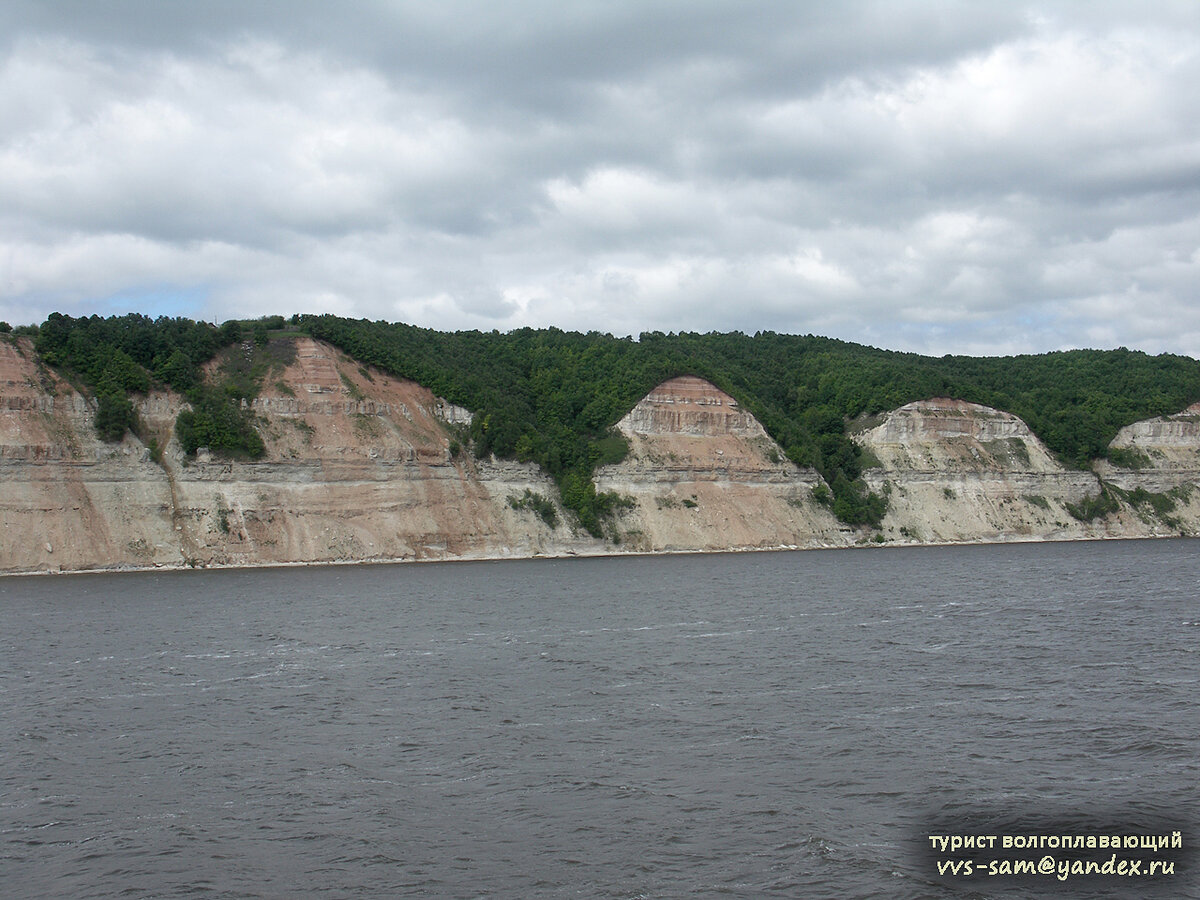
(552, 397)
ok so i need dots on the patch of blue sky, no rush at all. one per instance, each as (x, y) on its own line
(160, 300)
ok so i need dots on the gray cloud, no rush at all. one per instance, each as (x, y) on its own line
(940, 177)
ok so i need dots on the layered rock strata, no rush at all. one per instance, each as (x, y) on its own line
(68, 500)
(704, 475)
(1160, 454)
(358, 467)
(956, 471)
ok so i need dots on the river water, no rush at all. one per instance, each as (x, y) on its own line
(740, 725)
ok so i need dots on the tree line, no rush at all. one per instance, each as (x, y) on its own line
(552, 397)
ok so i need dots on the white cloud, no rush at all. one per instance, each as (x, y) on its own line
(965, 178)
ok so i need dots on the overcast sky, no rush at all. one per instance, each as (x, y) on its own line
(975, 177)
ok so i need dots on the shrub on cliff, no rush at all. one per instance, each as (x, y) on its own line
(552, 397)
(119, 356)
(114, 415)
(218, 423)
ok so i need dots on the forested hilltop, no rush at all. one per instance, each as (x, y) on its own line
(552, 397)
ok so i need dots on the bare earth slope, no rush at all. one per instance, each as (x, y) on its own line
(358, 467)
(956, 471)
(68, 500)
(1165, 452)
(1162, 455)
(705, 476)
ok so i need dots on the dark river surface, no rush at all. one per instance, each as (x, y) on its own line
(742, 725)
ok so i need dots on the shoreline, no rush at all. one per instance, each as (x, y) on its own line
(125, 569)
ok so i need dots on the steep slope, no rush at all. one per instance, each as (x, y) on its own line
(705, 476)
(957, 471)
(68, 500)
(1158, 468)
(358, 467)
(1158, 454)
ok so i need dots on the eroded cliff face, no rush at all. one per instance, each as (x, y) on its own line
(68, 500)
(705, 476)
(358, 467)
(1161, 454)
(956, 471)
